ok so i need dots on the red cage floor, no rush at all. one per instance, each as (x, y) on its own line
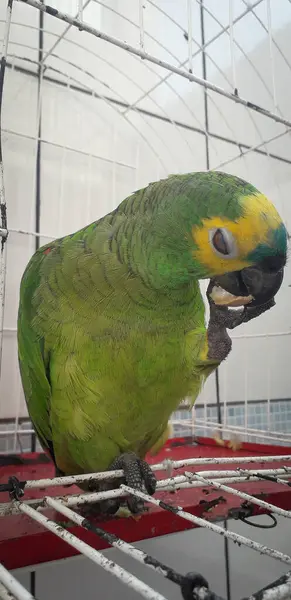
(24, 543)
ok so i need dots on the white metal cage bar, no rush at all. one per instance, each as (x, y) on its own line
(249, 430)
(81, 25)
(60, 37)
(173, 484)
(258, 434)
(217, 479)
(262, 475)
(169, 484)
(144, 590)
(167, 465)
(205, 46)
(220, 486)
(10, 588)
(212, 526)
(278, 590)
(2, 188)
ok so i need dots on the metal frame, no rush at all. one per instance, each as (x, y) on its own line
(189, 482)
(181, 465)
(195, 503)
(10, 588)
(277, 590)
(42, 75)
(2, 188)
(75, 22)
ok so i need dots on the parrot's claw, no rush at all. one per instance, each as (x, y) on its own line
(228, 318)
(222, 318)
(138, 475)
(249, 313)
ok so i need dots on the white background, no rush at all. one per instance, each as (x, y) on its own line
(95, 152)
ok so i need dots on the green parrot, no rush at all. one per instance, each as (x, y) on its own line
(111, 324)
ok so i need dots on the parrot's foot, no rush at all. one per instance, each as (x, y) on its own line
(138, 475)
(222, 318)
(105, 509)
(93, 511)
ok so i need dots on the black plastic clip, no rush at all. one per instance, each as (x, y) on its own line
(16, 490)
(192, 584)
(245, 511)
(241, 512)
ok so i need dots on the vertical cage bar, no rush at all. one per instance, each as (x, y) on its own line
(13, 586)
(90, 172)
(206, 122)
(205, 416)
(80, 10)
(39, 132)
(246, 387)
(190, 35)
(268, 385)
(3, 208)
(38, 165)
(136, 168)
(61, 37)
(271, 51)
(225, 391)
(141, 25)
(217, 383)
(113, 166)
(62, 186)
(193, 421)
(232, 46)
(16, 422)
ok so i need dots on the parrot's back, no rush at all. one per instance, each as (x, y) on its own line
(105, 357)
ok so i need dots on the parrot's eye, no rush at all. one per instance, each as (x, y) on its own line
(222, 242)
(219, 242)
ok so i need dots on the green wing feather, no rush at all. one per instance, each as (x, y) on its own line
(33, 360)
(93, 302)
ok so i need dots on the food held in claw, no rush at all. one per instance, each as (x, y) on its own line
(223, 298)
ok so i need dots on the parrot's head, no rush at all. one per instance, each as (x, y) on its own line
(212, 225)
(239, 240)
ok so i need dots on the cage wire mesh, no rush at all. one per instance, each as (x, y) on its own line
(192, 585)
(102, 97)
(165, 87)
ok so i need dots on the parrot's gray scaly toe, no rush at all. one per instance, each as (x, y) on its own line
(148, 477)
(138, 475)
(222, 318)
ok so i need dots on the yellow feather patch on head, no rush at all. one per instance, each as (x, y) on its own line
(259, 218)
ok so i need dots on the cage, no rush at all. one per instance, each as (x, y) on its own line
(99, 98)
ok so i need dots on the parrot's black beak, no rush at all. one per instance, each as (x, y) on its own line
(262, 281)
